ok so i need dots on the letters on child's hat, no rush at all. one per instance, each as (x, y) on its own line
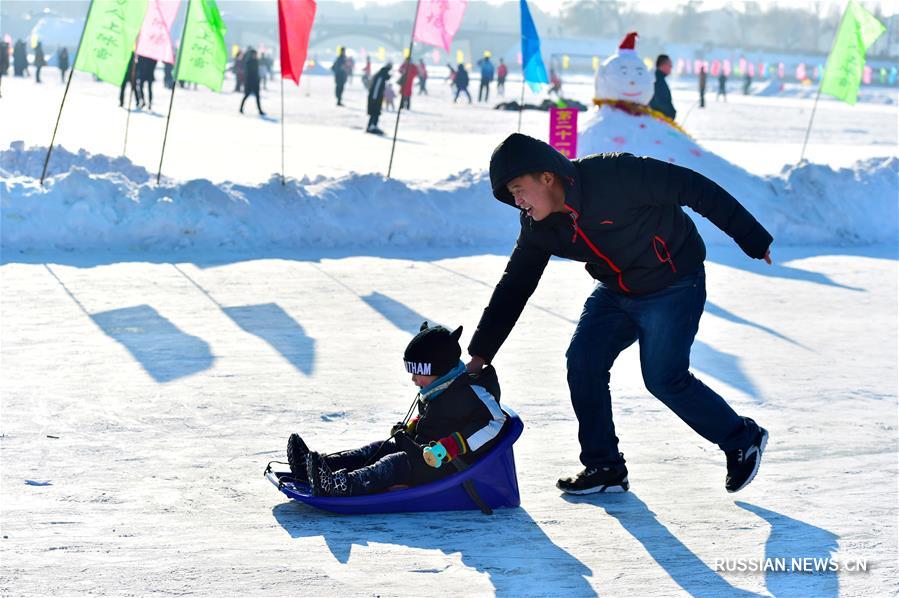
(434, 351)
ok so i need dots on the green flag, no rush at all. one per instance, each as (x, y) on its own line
(203, 55)
(843, 73)
(108, 39)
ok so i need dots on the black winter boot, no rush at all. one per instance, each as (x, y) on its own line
(296, 456)
(322, 480)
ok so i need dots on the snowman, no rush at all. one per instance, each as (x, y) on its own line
(623, 77)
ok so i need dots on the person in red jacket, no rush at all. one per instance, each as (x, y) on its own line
(502, 71)
(408, 72)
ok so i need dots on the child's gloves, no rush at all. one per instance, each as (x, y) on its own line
(409, 427)
(434, 454)
(446, 449)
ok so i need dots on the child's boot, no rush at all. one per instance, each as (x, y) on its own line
(296, 456)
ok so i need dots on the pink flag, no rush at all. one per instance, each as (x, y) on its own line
(155, 40)
(438, 21)
(563, 131)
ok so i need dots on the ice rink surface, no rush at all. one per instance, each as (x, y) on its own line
(144, 392)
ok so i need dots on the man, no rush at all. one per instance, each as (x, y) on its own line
(339, 70)
(251, 79)
(487, 72)
(62, 61)
(661, 98)
(621, 215)
(130, 78)
(702, 82)
(376, 98)
(146, 73)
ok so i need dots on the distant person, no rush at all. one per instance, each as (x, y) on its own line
(19, 59)
(702, 81)
(62, 61)
(461, 82)
(408, 72)
(451, 78)
(661, 98)
(487, 72)
(168, 78)
(39, 61)
(422, 78)
(377, 88)
(350, 66)
(722, 86)
(502, 71)
(747, 83)
(339, 70)
(146, 73)
(389, 97)
(4, 59)
(251, 79)
(263, 70)
(555, 83)
(130, 78)
(238, 69)
(366, 73)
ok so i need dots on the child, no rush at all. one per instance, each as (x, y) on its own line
(457, 415)
(389, 96)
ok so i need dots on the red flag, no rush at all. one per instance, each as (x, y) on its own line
(294, 25)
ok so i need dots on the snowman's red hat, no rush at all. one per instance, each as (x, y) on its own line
(627, 44)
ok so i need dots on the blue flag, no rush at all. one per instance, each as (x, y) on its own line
(532, 62)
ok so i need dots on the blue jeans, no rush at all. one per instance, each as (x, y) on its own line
(665, 324)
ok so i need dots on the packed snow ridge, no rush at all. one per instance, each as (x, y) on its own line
(96, 202)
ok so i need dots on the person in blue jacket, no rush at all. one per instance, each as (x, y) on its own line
(487, 72)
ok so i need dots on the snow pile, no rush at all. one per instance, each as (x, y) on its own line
(102, 203)
(110, 204)
(805, 204)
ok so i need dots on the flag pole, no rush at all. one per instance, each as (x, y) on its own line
(820, 81)
(174, 85)
(811, 119)
(130, 98)
(521, 103)
(396, 127)
(65, 93)
(282, 123)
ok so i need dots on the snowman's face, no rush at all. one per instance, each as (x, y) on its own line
(624, 77)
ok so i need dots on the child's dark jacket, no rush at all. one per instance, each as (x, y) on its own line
(468, 412)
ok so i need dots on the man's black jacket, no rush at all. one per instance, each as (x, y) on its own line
(661, 97)
(624, 220)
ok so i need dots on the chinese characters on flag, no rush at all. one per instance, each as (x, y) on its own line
(563, 131)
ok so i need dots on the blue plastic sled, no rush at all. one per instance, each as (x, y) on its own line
(493, 477)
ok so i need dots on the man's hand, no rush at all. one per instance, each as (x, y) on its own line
(475, 364)
(767, 257)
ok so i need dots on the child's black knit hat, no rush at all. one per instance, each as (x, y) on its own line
(434, 351)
